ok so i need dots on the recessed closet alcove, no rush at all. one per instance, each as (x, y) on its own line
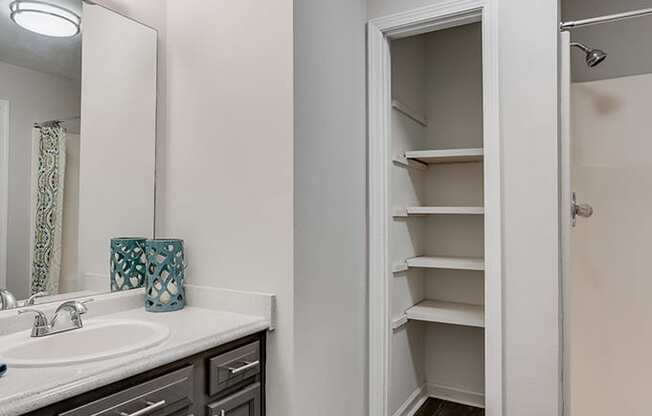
(436, 233)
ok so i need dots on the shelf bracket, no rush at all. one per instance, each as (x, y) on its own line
(399, 322)
(403, 161)
(400, 267)
(400, 212)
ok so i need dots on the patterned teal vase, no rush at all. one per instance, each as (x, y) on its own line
(127, 263)
(166, 266)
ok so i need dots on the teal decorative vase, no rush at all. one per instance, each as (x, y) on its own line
(127, 263)
(166, 266)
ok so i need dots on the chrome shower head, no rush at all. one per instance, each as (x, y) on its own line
(593, 56)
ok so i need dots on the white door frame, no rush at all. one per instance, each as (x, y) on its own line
(379, 33)
(4, 188)
(565, 203)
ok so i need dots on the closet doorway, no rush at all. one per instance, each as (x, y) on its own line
(434, 210)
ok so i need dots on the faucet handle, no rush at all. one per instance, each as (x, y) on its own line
(81, 305)
(30, 300)
(76, 306)
(40, 319)
(41, 326)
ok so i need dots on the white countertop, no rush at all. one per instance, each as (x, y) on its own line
(192, 330)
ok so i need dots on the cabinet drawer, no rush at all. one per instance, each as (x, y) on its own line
(232, 367)
(246, 402)
(163, 396)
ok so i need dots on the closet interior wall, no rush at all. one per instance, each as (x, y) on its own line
(437, 77)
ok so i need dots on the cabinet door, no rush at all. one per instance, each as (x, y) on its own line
(232, 367)
(166, 395)
(246, 402)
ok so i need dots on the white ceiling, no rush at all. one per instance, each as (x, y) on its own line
(58, 56)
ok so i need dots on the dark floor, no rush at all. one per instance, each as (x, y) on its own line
(436, 407)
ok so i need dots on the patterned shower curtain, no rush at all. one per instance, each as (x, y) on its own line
(49, 164)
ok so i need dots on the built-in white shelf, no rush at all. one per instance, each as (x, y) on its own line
(447, 312)
(431, 157)
(407, 111)
(454, 263)
(407, 211)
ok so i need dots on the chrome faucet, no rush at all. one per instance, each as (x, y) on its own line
(75, 310)
(42, 327)
(7, 300)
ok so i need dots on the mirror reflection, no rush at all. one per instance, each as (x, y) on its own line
(77, 144)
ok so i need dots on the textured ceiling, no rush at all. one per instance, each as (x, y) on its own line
(58, 56)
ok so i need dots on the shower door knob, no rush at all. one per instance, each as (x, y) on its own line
(579, 210)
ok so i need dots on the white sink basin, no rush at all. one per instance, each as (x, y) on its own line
(97, 340)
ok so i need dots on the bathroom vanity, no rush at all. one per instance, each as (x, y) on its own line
(225, 381)
(207, 359)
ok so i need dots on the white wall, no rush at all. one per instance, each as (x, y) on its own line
(224, 151)
(454, 88)
(117, 149)
(228, 187)
(378, 8)
(330, 279)
(609, 317)
(455, 355)
(529, 132)
(407, 346)
(149, 12)
(34, 97)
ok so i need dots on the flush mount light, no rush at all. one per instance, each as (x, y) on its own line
(45, 18)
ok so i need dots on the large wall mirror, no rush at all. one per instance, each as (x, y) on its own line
(77, 143)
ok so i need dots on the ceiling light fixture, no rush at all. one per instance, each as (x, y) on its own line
(45, 18)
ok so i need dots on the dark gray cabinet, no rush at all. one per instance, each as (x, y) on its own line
(243, 403)
(166, 395)
(230, 368)
(225, 381)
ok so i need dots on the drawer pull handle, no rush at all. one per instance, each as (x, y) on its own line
(246, 365)
(151, 406)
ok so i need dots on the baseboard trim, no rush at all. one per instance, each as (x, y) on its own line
(413, 402)
(452, 394)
